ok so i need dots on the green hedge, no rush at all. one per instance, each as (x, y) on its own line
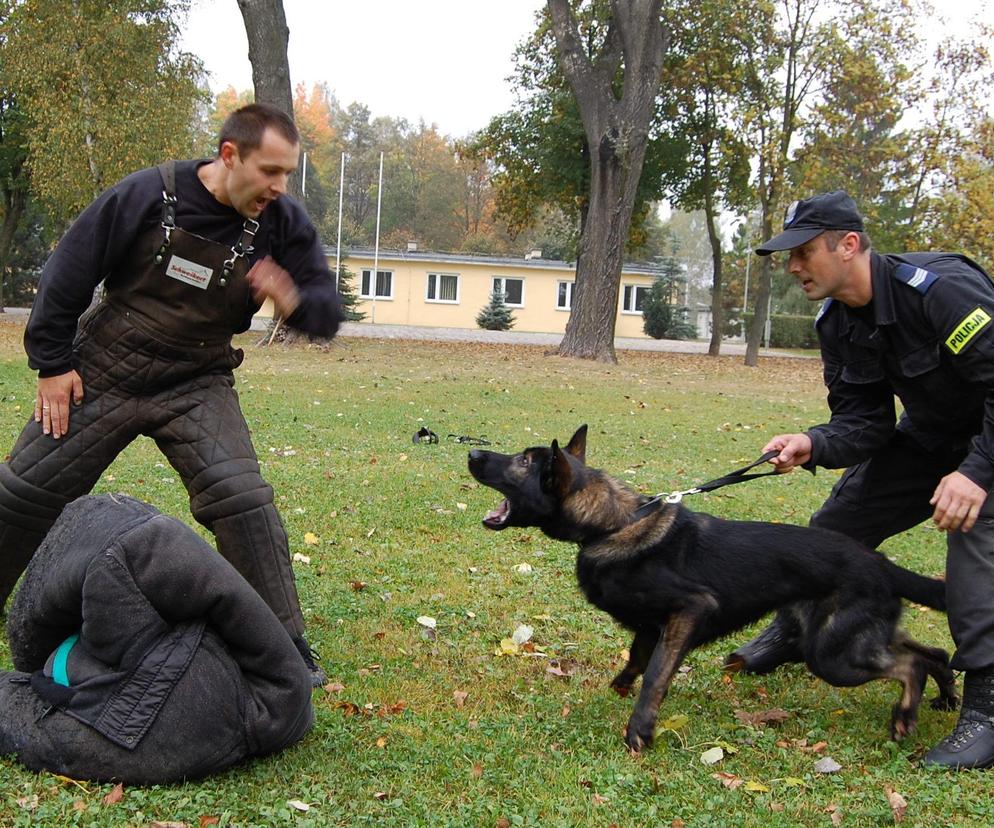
(788, 331)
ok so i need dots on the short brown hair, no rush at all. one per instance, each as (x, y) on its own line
(833, 237)
(244, 127)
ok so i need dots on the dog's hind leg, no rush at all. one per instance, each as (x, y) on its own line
(937, 664)
(910, 669)
(677, 640)
(638, 658)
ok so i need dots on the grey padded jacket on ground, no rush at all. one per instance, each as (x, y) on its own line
(180, 669)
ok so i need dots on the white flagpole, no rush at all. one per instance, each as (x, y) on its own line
(338, 246)
(376, 249)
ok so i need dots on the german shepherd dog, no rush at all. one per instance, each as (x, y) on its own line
(679, 580)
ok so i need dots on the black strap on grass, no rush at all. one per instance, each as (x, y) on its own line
(737, 476)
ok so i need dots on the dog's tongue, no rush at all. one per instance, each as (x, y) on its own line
(496, 518)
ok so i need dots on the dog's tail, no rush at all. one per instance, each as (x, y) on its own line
(922, 590)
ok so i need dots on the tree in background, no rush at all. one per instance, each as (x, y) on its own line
(105, 91)
(496, 315)
(662, 315)
(704, 76)
(268, 35)
(550, 158)
(347, 295)
(786, 59)
(14, 178)
(615, 85)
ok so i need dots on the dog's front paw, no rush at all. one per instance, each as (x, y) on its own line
(622, 685)
(638, 734)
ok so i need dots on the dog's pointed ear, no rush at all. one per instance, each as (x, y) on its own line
(558, 475)
(577, 445)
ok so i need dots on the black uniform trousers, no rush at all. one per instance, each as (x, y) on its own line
(889, 494)
(184, 399)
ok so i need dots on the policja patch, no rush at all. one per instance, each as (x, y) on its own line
(974, 321)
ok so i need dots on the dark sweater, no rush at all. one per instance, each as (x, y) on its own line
(97, 241)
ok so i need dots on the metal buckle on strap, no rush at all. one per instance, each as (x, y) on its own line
(676, 497)
(168, 216)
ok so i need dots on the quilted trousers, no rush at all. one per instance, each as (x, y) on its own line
(184, 399)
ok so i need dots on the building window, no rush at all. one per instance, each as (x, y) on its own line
(442, 287)
(634, 298)
(384, 284)
(564, 296)
(513, 290)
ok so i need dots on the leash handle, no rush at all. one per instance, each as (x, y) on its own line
(739, 475)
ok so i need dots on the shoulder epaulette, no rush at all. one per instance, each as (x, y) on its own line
(916, 277)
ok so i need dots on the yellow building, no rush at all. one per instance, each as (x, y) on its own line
(448, 290)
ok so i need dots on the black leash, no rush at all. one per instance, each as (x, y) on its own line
(737, 476)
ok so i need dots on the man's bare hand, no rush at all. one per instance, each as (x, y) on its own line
(267, 280)
(795, 450)
(957, 502)
(53, 399)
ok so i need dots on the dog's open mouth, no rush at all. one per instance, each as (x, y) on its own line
(497, 519)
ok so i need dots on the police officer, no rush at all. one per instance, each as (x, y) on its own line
(919, 327)
(187, 251)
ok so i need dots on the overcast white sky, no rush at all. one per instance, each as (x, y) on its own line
(444, 61)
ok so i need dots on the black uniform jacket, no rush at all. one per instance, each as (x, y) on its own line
(94, 247)
(928, 339)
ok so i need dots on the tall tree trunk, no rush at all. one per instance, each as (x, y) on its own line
(616, 130)
(717, 306)
(268, 36)
(15, 202)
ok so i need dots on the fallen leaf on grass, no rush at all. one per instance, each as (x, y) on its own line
(562, 669)
(678, 721)
(477, 769)
(300, 558)
(729, 780)
(158, 823)
(357, 586)
(827, 765)
(507, 647)
(380, 795)
(115, 796)
(459, 697)
(756, 787)
(898, 804)
(311, 539)
(712, 756)
(523, 567)
(427, 621)
(598, 799)
(762, 717)
(28, 803)
(522, 634)
(381, 742)
(836, 814)
(207, 821)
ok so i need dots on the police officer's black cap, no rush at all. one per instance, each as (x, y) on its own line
(810, 217)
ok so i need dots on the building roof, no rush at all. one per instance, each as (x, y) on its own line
(385, 255)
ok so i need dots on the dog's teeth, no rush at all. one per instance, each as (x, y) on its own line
(498, 516)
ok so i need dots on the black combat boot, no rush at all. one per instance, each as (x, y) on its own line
(778, 644)
(971, 744)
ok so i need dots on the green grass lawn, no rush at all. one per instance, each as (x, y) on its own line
(443, 730)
